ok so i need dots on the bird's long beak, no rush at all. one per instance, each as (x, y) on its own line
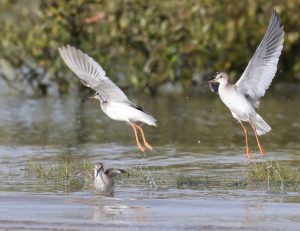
(203, 84)
(89, 97)
(211, 80)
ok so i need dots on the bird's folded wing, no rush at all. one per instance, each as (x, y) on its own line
(91, 73)
(262, 67)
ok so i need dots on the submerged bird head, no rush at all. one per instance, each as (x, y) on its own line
(98, 168)
(221, 78)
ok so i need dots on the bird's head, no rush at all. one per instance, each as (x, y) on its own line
(94, 96)
(98, 168)
(221, 78)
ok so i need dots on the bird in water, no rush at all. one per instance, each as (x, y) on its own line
(103, 179)
(243, 97)
(113, 101)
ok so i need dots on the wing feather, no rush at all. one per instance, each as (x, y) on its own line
(262, 67)
(112, 171)
(91, 73)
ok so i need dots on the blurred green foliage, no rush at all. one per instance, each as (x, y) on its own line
(141, 44)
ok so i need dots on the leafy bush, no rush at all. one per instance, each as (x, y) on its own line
(141, 44)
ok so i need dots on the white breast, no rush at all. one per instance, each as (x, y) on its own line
(124, 112)
(237, 103)
(104, 183)
(118, 111)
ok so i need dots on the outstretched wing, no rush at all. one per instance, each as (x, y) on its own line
(262, 67)
(91, 73)
(113, 171)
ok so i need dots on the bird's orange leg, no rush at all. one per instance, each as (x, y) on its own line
(246, 138)
(137, 138)
(257, 140)
(143, 136)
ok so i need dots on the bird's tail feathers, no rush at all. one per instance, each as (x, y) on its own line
(148, 119)
(145, 118)
(261, 126)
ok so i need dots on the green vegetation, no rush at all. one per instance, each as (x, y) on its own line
(273, 174)
(60, 169)
(62, 173)
(141, 44)
(75, 173)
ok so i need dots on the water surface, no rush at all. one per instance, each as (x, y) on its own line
(196, 138)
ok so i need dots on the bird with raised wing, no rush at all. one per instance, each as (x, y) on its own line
(113, 101)
(103, 179)
(243, 97)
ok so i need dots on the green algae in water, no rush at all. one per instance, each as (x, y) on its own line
(273, 174)
(64, 172)
(61, 169)
(60, 174)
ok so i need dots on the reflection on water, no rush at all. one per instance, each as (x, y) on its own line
(196, 137)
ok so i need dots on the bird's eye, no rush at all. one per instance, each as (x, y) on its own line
(97, 93)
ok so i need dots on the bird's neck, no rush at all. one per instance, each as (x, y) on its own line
(98, 175)
(102, 103)
(224, 86)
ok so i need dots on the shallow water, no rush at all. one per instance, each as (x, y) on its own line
(196, 138)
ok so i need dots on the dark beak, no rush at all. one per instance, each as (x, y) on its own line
(211, 80)
(89, 97)
(203, 84)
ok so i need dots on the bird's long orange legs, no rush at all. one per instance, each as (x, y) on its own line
(143, 136)
(137, 138)
(246, 139)
(257, 140)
